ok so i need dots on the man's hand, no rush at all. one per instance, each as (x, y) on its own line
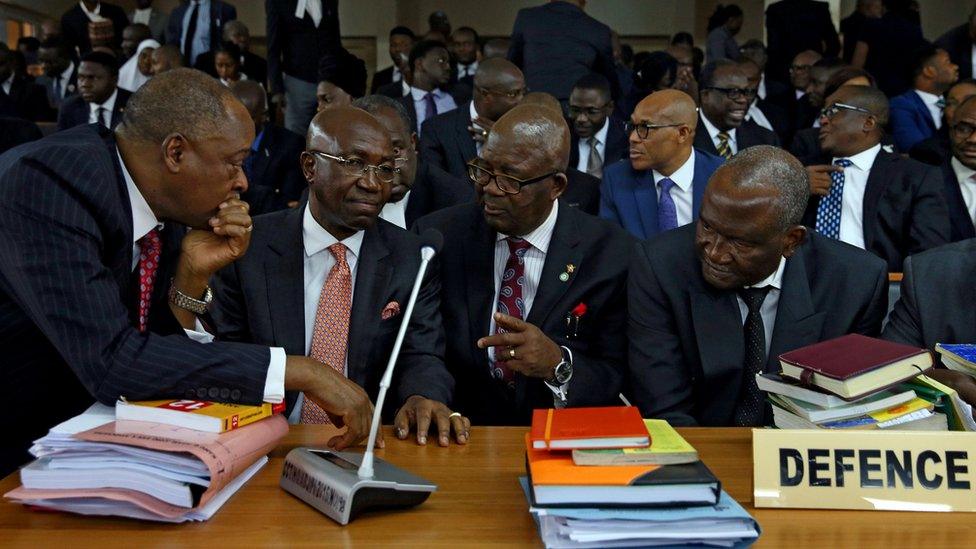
(964, 384)
(480, 128)
(820, 178)
(204, 252)
(535, 354)
(346, 403)
(417, 412)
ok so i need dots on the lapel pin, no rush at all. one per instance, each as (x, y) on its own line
(564, 277)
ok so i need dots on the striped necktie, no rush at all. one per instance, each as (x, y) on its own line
(724, 149)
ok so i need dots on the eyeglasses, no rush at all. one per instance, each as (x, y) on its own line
(590, 112)
(734, 93)
(515, 94)
(643, 129)
(832, 110)
(506, 183)
(963, 130)
(799, 68)
(357, 168)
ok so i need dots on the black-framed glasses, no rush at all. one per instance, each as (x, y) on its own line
(830, 111)
(356, 167)
(507, 184)
(963, 130)
(734, 93)
(514, 94)
(644, 128)
(590, 112)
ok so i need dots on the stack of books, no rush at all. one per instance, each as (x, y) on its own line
(600, 477)
(853, 382)
(111, 462)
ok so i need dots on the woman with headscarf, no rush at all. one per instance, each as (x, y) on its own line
(138, 69)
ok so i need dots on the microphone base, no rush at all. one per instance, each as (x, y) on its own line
(329, 482)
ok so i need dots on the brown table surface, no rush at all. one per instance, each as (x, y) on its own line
(478, 502)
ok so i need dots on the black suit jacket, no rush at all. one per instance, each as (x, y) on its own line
(598, 250)
(904, 211)
(793, 26)
(434, 190)
(617, 147)
(220, 13)
(27, 100)
(686, 342)
(17, 131)
(460, 93)
(445, 141)
(261, 299)
(933, 150)
(783, 124)
(74, 25)
(381, 78)
(557, 43)
(957, 43)
(68, 297)
(749, 134)
(275, 173)
(295, 45)
(393, 90)
(962, 224)
(75, 110)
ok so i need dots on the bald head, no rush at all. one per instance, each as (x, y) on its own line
(534, 131)
(329, 128)
(542, 99)
(496, 71)
(670, 107)
(865, 97)
(498, 86)
(166, 58)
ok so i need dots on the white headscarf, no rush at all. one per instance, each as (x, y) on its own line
(130, 79)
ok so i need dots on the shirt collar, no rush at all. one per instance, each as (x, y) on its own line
(541, 235)
(775, 280)
(109, 103)
(397, 76)
(143, 218)
(713, 131)
(683, 177)
(66, 75)
(94, 12)
(418, 94)
(316, 238)
(761, 88)
(964, 174)
(864, 159)
(9, 82)
(930, 99)
(601, 136)
(473, 112)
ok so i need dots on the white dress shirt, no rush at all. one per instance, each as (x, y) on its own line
(108, 105)
(932, 104)
(442, 100)
(143, 221)
(142, 15)
(769, 305)
(761, 88)
(799, 93)
(469, 70)
(396, 212)
(756, 115)
(601, 147)
(7, 84)
(967, 186)
(93, 15)
(852, 209)
(682, 193)
(713, 133)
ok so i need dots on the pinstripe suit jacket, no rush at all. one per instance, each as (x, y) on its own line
(66, 287)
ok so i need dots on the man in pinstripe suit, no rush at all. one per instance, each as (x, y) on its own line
(101, 286)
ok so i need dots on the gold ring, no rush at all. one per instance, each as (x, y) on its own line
(248, 229)
(511, 352)
(484, 133)
(455, 414)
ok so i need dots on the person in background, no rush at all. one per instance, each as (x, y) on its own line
(250, 64)
(227, 63)
(936, 149)
(625, 72)
(342, 78)
(75, 23)
(430, 68)
(50, 30)
(724, 23)
(165, 58)
(465, 46)
(99, 100)
(102, 35)
(793, 26)
(725, 98)
(20, 98)
(960, 42)
(496, 47)
(152, 17)
(654, 72)
(598, 139)
(765, 114)
(886, 44)
(197, 26)
(60, 78)
(138, 70)
(438, 22)
(791, 99)
(132, 36)
(852, 26)
(28, 46)
(686, 79)
(810, 105)
(401, 40)
(959, 169)
(916, 115)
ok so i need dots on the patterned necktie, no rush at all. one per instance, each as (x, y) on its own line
(149, 250)
(724, 149)
(594, 164)
(330, 332)
(829, 210)
(749, 408)
(430, 108)
(667, 212)
(510, 301)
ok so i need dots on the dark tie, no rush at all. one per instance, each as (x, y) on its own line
(100, 115)
(667, 213)
(57, 90)
(430, 107)
(150, 247)
(191, 31)
(750, 406)
(830, 207)
(510, 300)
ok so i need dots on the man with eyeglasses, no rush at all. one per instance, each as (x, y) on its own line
(799, 73)
(959, 171)
(533, 291)
(660, 187)
(430, 69)
(598, 138)
(882, 202)
(765, 113)
(936, 149)
(330, 281)
(725, 97)
(449, 140)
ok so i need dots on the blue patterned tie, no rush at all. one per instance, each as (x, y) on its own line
(667, 213)
(510, 299)
(828, 212)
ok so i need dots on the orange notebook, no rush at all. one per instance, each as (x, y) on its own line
(605, 427)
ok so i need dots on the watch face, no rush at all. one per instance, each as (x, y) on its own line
(563, 372)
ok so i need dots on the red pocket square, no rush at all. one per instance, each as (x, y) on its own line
(391, 310)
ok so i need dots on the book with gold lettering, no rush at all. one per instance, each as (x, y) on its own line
(199, 415)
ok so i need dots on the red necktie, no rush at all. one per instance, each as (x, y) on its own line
(149, 248)
(510, 301)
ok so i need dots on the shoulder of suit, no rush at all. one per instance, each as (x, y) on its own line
(834, 255)
(598, 229)
(400, 239)
(619, 170)
(672, 251)
(272, 222)
(450, 220)
(947, 257)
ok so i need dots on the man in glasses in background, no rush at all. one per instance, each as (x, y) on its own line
(959, 170)
(884, 203)
(725, 98)
(533, 291)
(330, 281)
(598, 139)
(660, 187)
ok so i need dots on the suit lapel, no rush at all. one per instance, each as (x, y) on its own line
(466, 145)
(718, 332)
(961, 221)
(262, 157)
(923, 111)
(284, 275)
(797, 321)
(703, 140)
(877, 180)
(645, 200)
(479, 262)
(699, 180)
(563, 251)
(373, 273)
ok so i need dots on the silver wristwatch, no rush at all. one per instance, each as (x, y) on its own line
(564, 370)
(183, 301)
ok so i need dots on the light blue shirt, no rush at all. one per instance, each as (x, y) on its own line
(442, 100)
(201, 42)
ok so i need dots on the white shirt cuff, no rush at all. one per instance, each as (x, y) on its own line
(274, 385)
(199, 333)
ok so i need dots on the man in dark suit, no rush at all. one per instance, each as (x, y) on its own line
(430, 90)
(887, 204)
(99, 99)
(449, 140)
(197, 26)
(916, 115)
(725, 97)
(74, 23)
(660, 187)
(295, 46)
(17, 131)
(19, 97)
(557, 43)
(274, 174)
(936, 149)
(791, 99)
(793, 26)
(959, 171)
(598, 139)
(96, 301)
(762, 111)
(959, 42)
(852, 26)
(533, 291)
(251, 64)
(715, 303)
(465, 50)
(60, 78)
(401, 40)
(339, 280)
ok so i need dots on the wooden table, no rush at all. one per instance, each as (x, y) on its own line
(478, 502)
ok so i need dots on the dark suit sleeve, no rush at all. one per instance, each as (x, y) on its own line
(51, 263)
(63, 123)
(660, 381)
(904, 323)
(873, 316)
(605, 66)
(431, 147)
(904, 128)
(930, 226)
(608, 209)
(228, 309)
(516, 48)
(275, 80)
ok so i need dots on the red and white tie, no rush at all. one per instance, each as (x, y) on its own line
(149, 250)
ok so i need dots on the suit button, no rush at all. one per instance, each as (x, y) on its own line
(235, 394)
(214, 392)
(224, 393)
(190, 394)
(202, 392)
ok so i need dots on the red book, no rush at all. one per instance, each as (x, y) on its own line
(571, 428)
(854, 366)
